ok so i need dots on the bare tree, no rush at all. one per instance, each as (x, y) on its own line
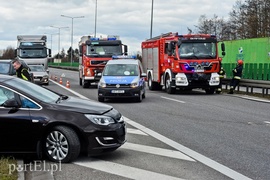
(9, 53)
(250, 19)
(215, 25)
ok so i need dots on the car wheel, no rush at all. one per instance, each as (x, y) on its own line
(101, 99)
(62, 144)
(139, 99)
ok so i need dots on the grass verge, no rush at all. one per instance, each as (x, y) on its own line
(7, 170)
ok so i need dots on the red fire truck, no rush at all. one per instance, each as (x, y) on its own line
(182, 62)
(94, 54)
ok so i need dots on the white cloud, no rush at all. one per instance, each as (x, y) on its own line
(128, 19)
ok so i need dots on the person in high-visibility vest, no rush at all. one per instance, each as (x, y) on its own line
(237, 75)
(21, 71)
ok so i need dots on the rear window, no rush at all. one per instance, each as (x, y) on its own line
(4, 68)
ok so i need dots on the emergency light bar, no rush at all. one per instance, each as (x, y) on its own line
(124, 57)
(109, 39)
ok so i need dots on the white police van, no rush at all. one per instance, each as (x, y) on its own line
(122, 77)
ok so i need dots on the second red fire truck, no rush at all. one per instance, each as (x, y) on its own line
(94, 54)
(182, 62)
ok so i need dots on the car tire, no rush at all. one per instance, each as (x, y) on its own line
(139, 99)
(101, 99)
(62, 144)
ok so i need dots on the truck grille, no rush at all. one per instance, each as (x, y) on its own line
(99, 62)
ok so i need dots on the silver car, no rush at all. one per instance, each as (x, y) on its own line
(40, 75)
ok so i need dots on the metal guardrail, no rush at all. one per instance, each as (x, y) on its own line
(250, 85)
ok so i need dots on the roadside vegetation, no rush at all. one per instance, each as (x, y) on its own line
(5, 168)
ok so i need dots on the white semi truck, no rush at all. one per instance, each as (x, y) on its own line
(33, 49)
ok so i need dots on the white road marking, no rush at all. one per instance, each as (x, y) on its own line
(189, 152)
(157, 151)
(267, 122)
(135, 173)
(172, 99)
(77, 94)
(135, 131)
(122, 170)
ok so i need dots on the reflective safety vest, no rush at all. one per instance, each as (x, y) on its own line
(21, 75)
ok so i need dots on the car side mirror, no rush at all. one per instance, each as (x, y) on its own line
(11, 103)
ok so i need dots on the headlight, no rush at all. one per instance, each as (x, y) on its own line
(215, 78)
(100, 120)
(181, 78)
(133, 85)
(102, 84)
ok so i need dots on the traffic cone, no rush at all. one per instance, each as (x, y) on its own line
(60, 81)
(67, 84)
(55, 78)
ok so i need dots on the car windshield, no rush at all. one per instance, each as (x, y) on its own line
(4, 68)
(35, 90)
(37, 68)
(104, 50)
(121, 70)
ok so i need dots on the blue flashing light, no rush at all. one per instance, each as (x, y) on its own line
(112, 39)
(124, 57)
(94, 39)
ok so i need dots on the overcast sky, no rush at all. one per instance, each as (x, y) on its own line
(129, 19)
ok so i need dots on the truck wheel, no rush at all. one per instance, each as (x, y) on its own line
(153, 85)
(80, 81)
(210, 91)
(85, 84)
(150, 82)
(168, 87)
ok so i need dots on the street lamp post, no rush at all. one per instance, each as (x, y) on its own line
(96, 20)
(151, 28)
(51, 37)
(71, 54)
(58, 38)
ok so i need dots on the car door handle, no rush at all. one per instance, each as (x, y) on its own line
(35, 121)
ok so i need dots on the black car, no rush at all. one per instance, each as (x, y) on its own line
(6, 67)
(34, 119)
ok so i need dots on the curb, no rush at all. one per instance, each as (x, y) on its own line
(21, 175)
(40, 174)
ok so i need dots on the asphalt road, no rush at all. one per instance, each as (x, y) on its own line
(188, 135)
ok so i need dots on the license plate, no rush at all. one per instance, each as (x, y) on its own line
(118, 91)
(199, 70)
